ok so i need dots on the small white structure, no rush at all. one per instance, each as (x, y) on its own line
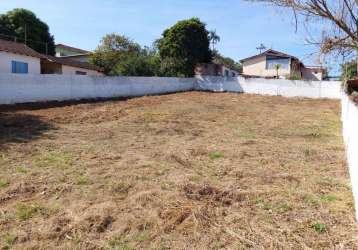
(17, 58)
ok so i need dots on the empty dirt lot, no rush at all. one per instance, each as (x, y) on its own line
(183, 171)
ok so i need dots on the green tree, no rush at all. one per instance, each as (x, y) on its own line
(27, 28)
(277, 68)
(220, 59)
(119, 55)
(146, 62)
(349, 70)
(183, 46)
(214, 38)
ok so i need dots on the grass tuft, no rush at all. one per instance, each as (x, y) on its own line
(216, 155)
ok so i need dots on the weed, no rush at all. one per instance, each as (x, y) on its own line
(285, 207)
(56, 159)
(245, 133)
(4, 184)
(309, 152)
(25, 212)
(142, 236)
(21, 170)
(328, 198)
(216, 155)
(319, 227)
(310, 199)
(10, 240)
(260, 202)
(83, 180)
(117, 243)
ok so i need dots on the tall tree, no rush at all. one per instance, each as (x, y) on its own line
(112, 50)
(119, 55)
(339, 19)
(27, 28)
(183, 46)
(214, 38)
(220, 59)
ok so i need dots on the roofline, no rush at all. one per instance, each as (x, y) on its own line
(268, 51)
(70, 47)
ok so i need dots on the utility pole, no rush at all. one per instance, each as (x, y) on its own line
(46, 44)
(25, 33)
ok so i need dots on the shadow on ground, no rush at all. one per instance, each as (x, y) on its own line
(21, 128)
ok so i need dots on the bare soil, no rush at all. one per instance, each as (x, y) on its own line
(190, 170)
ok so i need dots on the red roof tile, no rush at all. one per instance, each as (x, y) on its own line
(18, 48)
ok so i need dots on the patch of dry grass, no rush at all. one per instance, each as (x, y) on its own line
(183, 171)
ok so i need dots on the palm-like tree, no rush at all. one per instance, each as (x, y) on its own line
(214, 38)
(277, 68)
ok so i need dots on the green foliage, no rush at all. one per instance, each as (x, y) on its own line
(349, 70)
(231, 63)
(294, 77)
(183, 46)
(25, 212)
(319, 227)
(4, 184)
(119, 55)
(216, 155)
(17, 22)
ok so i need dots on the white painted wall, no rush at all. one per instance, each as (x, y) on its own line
(350, 134)
(6, 58)
(69, 70)
(32, 88)
(15, 88)
(288, 88)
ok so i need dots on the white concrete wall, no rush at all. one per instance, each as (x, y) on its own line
(32, 88)
(350, 135)
(6, 65)
(288, 88)
(69, 70)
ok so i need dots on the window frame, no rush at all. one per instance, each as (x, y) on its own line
(19, 67)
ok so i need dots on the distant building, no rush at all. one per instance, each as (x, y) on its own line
(72, 53)
(17, 58)
(264, 65)
(66, 66)
(211, 69)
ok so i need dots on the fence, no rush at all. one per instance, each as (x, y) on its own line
(350, 135)
(311, 89)
(33, 88)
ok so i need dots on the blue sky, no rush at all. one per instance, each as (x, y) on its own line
(241, 25)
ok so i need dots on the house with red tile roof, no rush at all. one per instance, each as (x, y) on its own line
(17, 58)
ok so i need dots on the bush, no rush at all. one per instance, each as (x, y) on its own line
(294, 77)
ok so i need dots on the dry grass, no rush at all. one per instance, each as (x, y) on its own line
(183, 171)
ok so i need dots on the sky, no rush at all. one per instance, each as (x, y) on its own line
(242, 25)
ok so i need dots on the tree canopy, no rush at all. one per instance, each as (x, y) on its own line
(119, 55)
(220, 59)
(183, 46)
(27, 28)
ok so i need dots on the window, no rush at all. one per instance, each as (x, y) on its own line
(81, 73)
(226, 73)
(272, 61)
(19, 67)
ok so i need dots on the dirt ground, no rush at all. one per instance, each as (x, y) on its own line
(190, 170)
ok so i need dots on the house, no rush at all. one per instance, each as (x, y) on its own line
(66, 66)
(72, 53)
(212, 69)
(17, 58)
(265, 65)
